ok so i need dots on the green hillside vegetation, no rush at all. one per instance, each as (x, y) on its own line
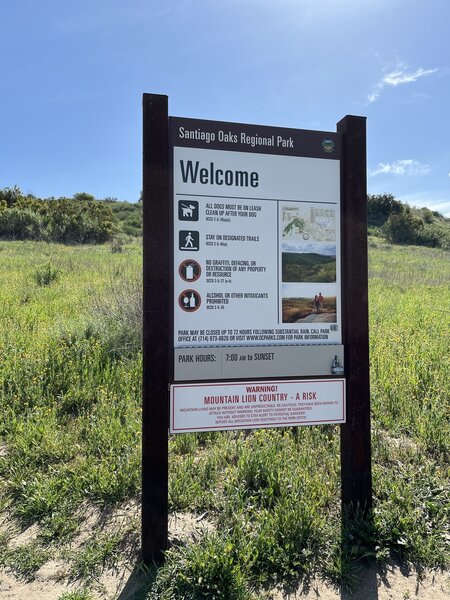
(400, 224)
(85, 219)
(78, 220)
(308, 267)
(127, 214)
(70, 427)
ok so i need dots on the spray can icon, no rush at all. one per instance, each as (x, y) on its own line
(189, 271)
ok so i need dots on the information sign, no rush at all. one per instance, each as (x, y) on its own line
(249, 278)
(253, 405)
(256, 246)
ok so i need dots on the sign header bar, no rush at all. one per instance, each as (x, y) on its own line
(239, 137)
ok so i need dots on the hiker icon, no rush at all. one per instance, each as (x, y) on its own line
(189, 240)
(188, 210)
(189, 300)
(189, 270)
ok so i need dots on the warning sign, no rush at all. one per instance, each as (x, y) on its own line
(253, 405)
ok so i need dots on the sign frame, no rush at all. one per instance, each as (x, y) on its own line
(356, 474)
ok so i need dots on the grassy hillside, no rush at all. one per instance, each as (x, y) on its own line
(308, 267)
(70, 384)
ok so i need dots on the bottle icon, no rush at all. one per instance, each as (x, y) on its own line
(189, 300)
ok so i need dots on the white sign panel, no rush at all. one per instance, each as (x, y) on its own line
(253, 405)
(256, 240)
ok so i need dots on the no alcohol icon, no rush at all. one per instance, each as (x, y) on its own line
(189, 270)
(189, 300)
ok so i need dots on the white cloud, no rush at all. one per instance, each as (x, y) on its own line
(401, 167)
(398, 77)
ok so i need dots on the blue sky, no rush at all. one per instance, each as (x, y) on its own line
(73, 74)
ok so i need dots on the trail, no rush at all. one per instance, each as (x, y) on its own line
(319, 318)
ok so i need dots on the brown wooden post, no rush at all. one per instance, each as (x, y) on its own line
(156, 327)
(356, 472)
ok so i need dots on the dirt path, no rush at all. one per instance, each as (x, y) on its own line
(319, 318)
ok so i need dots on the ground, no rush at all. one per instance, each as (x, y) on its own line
(122, 580)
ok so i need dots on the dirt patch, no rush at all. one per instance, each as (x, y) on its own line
(125, 578)
(121, 581)
(391, 583)
(184, 527)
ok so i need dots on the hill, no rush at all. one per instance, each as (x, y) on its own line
(308, 267)
(401, 224)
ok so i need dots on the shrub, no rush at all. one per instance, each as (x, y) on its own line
(403, 228)
(117, 245)
(380, 207)
(119, 312)
(427, 215)
(79, 220)
(20, 224)
(9, 196)
(208, 570)
(46, 274)
(82, 221)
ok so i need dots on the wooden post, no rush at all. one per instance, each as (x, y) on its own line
(156, 327)
(356, 473)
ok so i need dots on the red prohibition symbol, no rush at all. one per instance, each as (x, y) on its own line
(189, 270)
(189, 300)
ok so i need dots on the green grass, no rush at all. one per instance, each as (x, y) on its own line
(70, 407)
(23, 560)
(97, 553)
(77, 595)
(70, 420)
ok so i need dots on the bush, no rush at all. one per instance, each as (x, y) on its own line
(380, 207)
(79, 220)
(403, 228)
(17, 224)
(119, 312)
(46, 274)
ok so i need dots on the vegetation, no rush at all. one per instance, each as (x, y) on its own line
(401, 224)
(70, 386)
(78, 220)
(381, 207)
(127, 214)
(85, 220)
(308, 267)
